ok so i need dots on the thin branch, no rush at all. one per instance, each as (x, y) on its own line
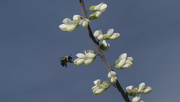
(120, 89)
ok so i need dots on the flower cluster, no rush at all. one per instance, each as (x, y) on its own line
(124, 61)
(112, 77)
(100, 86)
(70, 25)
(98, 9)
(110, 35)
(142, 89)
(86, 58)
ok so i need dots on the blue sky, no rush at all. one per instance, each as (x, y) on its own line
(31, 46)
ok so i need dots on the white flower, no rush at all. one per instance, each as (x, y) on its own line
(63, 27)
(141, 86)
(110, 32)
(147, 90)
(71, 27)
(90, 55)
(77, 17)
(84, 22)
(79, 61)
(96, 15)
(86, 58)
(114, 36)
(136, 99)
(112, 76)
(124, 61)
(111, 35)
(66, 21)
(129, 88)
(101, 7)
(104, 45)
(98, 35)
(97, 82)
(88, 61)
(80, 55)
(100, 86)
(68, 25)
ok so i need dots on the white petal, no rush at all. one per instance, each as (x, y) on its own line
(109, 75)
(112, 80)
(147, 90)
(123, 56)
(100, 37)
(103, 7)
(113, 73)
(85, 24)
(66, 21)
(115, 36)
(97, 7)
(76, 17)
(80, 55)
(141, 86)
(136, 99)
(88, 61)
(110, 32)
(71, 28)
(97, 82)
(126, 66)
(129, 87)
(79, 61)
(63, 27)
(96, 33)
(90, 55)
(98, 14)
(130, 58)
(121, 62)
(99, 91)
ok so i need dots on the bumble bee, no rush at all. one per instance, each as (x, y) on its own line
(66, 59)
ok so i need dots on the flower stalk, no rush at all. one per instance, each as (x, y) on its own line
(117, 84)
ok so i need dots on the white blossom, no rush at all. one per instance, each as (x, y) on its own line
(141, 86)
(124, 61)
(112, 76)
(136, 99)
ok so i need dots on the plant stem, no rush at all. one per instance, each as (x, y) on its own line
(120, 89)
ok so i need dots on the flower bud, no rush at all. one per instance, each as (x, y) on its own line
(104, 45)
(66, 21)
(79, 61)
(97, 33)
(112, 76)
(84, 22)
(95, 15)
(90, 55)
(136, 99)
(101, 7)
(80, 55)
(97, 82)
(114, 36)
(141, 86)
(100, 86)
(147, 90)
(71, 27)
(63, 27)
(88, 61)
(77, 17)
(110, 32)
